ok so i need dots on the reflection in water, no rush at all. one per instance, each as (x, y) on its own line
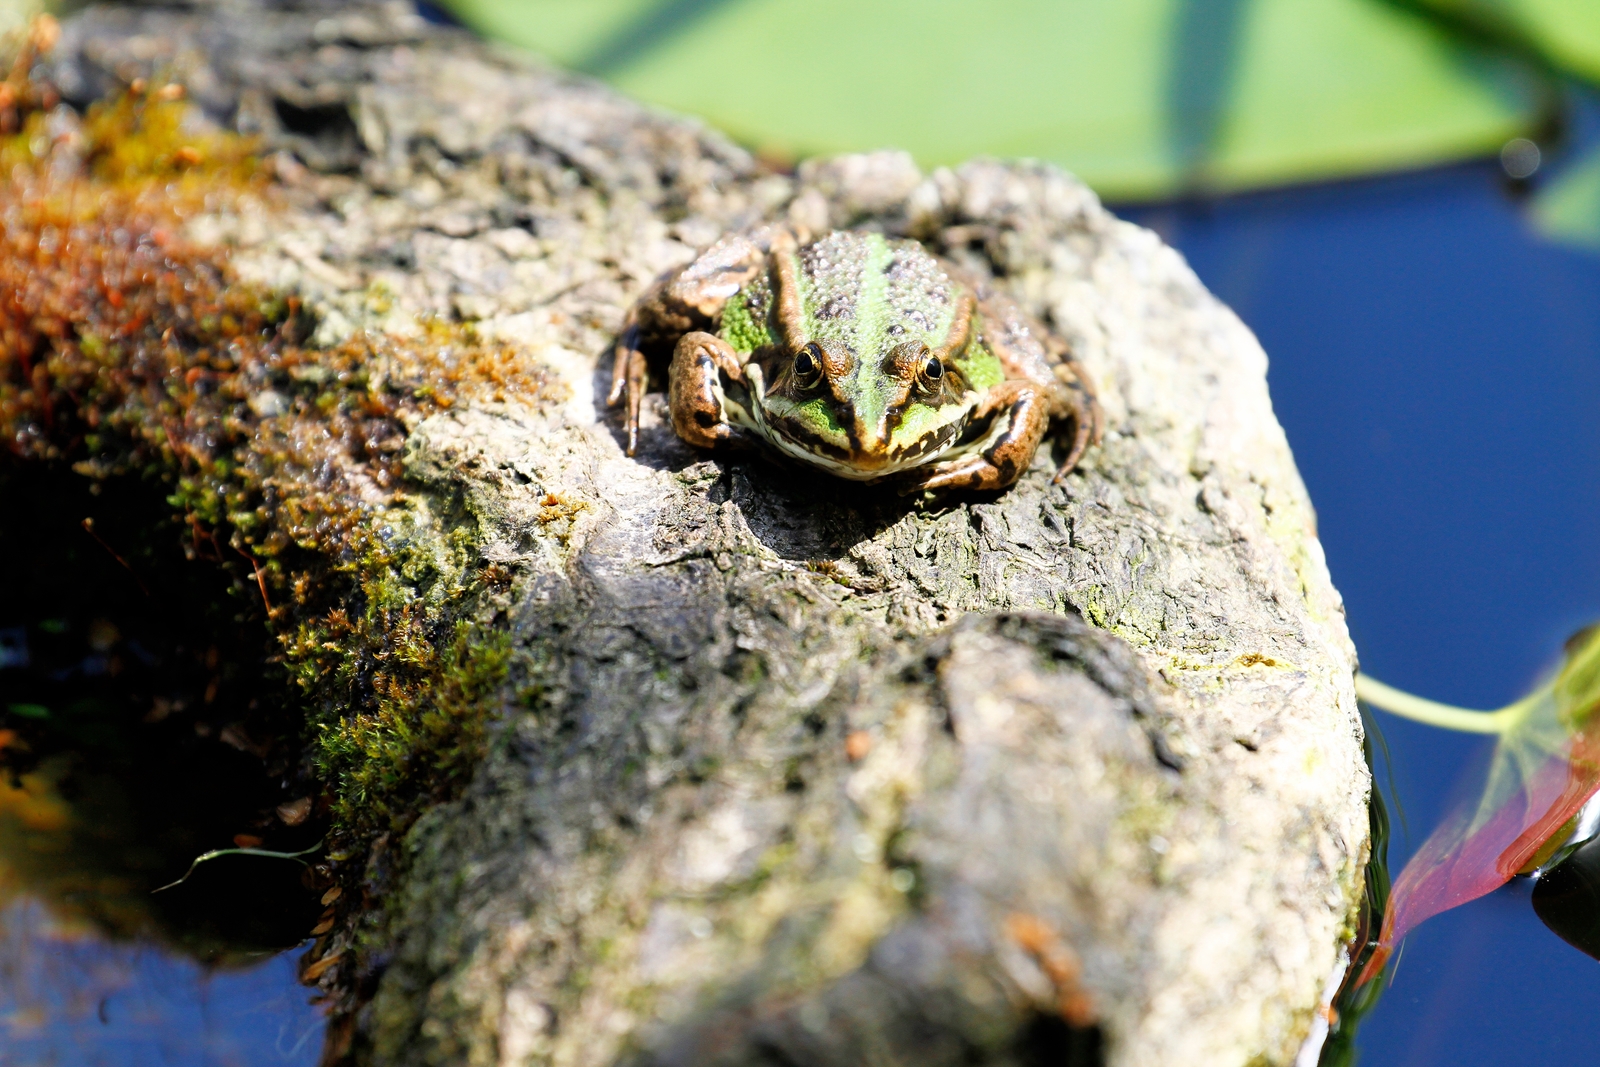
(70, 996)
(137, 730)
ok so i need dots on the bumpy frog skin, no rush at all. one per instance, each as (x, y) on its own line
(857, 353)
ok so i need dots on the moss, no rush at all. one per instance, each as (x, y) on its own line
(426, 727)
(126, 348)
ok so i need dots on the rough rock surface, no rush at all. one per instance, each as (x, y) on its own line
(799, 772)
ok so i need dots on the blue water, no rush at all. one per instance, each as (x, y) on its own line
(69, 997)
(1436, 365)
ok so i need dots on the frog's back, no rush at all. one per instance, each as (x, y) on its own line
(867, 292)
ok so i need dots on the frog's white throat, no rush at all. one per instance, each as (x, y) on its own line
(752, 416)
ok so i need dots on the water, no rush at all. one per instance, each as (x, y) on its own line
(1436, 366)
(135, 733)
(69, 995)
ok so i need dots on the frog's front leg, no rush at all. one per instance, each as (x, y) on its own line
(1023, 414)
(687, 300)
(693, 388)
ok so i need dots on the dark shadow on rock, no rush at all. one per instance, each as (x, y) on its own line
(809, 515)
(1050, 1042)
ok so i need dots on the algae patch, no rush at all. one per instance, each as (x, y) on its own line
(129, 349)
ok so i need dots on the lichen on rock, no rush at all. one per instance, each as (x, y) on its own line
(748, 765)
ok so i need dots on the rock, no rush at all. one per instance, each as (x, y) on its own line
(16, 14)
(796, 771)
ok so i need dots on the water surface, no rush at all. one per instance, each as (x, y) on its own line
(137, 731)
(1436, 365)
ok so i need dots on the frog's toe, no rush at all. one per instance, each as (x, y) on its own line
(623, 354)
(1082, 435)
(629, 384)
(977, 474)
(1088, 424)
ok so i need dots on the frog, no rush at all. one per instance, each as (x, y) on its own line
(856, 352)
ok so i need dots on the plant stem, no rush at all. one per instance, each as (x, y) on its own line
(206, 857)
(1445, 716)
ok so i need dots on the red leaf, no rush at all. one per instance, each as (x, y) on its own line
(1453, 867)
(1546, 767)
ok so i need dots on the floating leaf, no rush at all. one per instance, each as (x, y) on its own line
(1140, 98)
(1564, 33)
(1568, 208)
(1545, 767)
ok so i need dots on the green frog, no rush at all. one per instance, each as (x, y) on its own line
(861, 354)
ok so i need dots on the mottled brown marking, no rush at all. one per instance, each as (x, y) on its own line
(960, 328)
(786, 291)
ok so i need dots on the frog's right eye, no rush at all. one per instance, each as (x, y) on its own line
(807, 363)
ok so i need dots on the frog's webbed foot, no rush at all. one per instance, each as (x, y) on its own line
(693, 388)
(1083, 408)
(1024, 415)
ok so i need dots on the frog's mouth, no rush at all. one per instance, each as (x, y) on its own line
(742, 405)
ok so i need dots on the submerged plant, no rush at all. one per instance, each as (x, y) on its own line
(1545, 768)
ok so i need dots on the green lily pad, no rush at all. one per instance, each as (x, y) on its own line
(1568, 208)
(1564, 33)
(1141, 98)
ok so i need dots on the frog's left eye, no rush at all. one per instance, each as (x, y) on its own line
(933, 370)
(807, 362)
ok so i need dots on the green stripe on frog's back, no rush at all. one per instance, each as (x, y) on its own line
(872, 312)
(870, 390)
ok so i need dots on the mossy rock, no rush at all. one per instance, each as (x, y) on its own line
(689, 759)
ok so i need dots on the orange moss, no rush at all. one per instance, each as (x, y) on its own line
(126, 348)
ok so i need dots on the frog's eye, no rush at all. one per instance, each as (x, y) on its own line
(932, 370)
(807, 363)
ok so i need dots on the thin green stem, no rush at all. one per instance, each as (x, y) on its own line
(1445, 716)
(206, 857)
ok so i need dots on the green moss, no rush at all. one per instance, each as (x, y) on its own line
(281, 461)
(426, 728)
